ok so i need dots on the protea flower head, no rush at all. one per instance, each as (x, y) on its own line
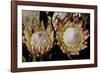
(38, 39)
(71, 36)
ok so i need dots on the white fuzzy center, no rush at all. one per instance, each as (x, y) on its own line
(71, 37)
(40, 40)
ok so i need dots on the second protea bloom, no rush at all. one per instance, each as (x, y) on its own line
(38, 39)
(71, 36)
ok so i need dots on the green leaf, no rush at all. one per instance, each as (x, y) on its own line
(34, 58)
(50, 56)
(23, 59)
(49, 20)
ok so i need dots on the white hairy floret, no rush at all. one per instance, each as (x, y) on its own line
(71, 37)
(40, 40)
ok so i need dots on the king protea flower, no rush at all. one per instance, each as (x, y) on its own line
(37, 39)
(71, 36)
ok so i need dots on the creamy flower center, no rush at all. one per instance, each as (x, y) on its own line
(71, 37)
(40, 40)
